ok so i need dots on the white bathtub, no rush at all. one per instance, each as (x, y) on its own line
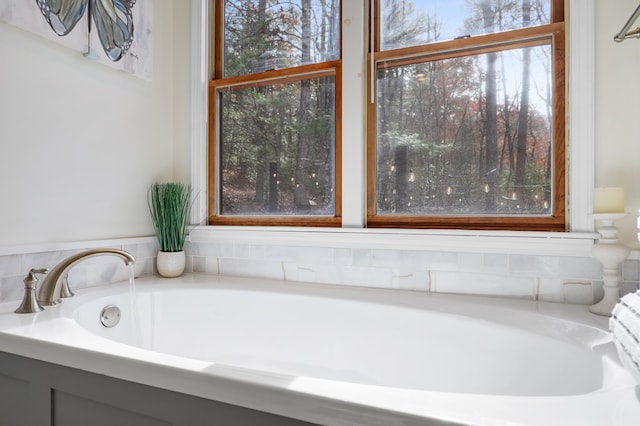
(341, 355)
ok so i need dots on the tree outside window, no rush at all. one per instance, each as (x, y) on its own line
(465, 130)
(469, 115)
(274, 104)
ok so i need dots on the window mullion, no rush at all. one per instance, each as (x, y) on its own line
(353, 113)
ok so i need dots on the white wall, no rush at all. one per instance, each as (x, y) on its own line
(618, 109)
(80, 143)
(181, 101)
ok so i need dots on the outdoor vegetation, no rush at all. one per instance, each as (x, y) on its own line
(463, 133)
(469, 134)
(278, 134)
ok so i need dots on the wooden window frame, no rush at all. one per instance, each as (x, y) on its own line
(555, 32)
(219, 83)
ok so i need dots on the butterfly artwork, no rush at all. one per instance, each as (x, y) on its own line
(113, 21)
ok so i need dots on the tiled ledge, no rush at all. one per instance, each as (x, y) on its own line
(73, 245)
(540, 266)
(574, 244)
(16, 261)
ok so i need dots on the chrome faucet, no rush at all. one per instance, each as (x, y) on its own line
(54, 285)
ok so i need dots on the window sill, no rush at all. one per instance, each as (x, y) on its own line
(572, 244)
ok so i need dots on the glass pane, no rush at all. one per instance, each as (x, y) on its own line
(265, 35)
(466, 136)
(407, 23)
(277, 148)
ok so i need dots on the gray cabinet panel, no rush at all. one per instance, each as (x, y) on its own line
(37, 393)
(14, 400)
(73, 410)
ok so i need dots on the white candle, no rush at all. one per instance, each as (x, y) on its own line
(609, 200)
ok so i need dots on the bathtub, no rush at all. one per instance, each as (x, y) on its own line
(337, 355)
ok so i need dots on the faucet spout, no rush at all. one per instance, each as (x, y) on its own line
(52, 285)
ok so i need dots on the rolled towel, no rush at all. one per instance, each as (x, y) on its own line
(627, 360)
(625, 328)
(628, 319)
(632, 322)
(632, 300)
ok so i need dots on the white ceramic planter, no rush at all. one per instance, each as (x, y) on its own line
(171, 264)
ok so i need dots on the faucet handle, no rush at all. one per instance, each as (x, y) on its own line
(30, 302)
(31, 276)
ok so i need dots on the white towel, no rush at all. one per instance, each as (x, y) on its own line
(628, 319)
(632, 300)
(625, 327)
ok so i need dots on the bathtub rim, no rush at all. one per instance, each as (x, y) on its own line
(314, 400)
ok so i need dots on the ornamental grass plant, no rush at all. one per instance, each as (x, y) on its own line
(170, 205)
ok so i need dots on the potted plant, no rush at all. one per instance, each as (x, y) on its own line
(169, 205)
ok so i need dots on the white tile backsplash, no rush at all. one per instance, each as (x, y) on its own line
(10, 265)
(484, 284)
(562, 279)
(470, 262)
(410, 279)
(300, 254)
(579, 292)
(365, 276)
(483, 262)
(260, 268)
(497, 263)
(628, 287)
(249, 251)
(553, 266)
(631, 271)
(550, 290)
(93, 271)
(294, 271)
(11, 288)
(343, 256)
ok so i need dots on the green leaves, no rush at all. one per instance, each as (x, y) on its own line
(169, 205)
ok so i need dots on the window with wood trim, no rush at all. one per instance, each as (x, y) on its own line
(274, 106)
(466, 115)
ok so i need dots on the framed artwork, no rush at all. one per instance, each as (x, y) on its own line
(114, 32)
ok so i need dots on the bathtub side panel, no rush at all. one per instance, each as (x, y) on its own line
(48, 394)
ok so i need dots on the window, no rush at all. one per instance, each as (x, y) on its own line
(274, 102)
(466, 131)
(466, 123)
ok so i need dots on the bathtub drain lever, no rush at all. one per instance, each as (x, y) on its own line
(110, 316)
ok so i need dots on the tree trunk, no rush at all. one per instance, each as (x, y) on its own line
(273, 187)
(261, 169)
(301, 199)
(491, 152)
(261, 179)
(402, 175)
(523, 119)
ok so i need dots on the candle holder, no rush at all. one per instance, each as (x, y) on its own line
(610, 252)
